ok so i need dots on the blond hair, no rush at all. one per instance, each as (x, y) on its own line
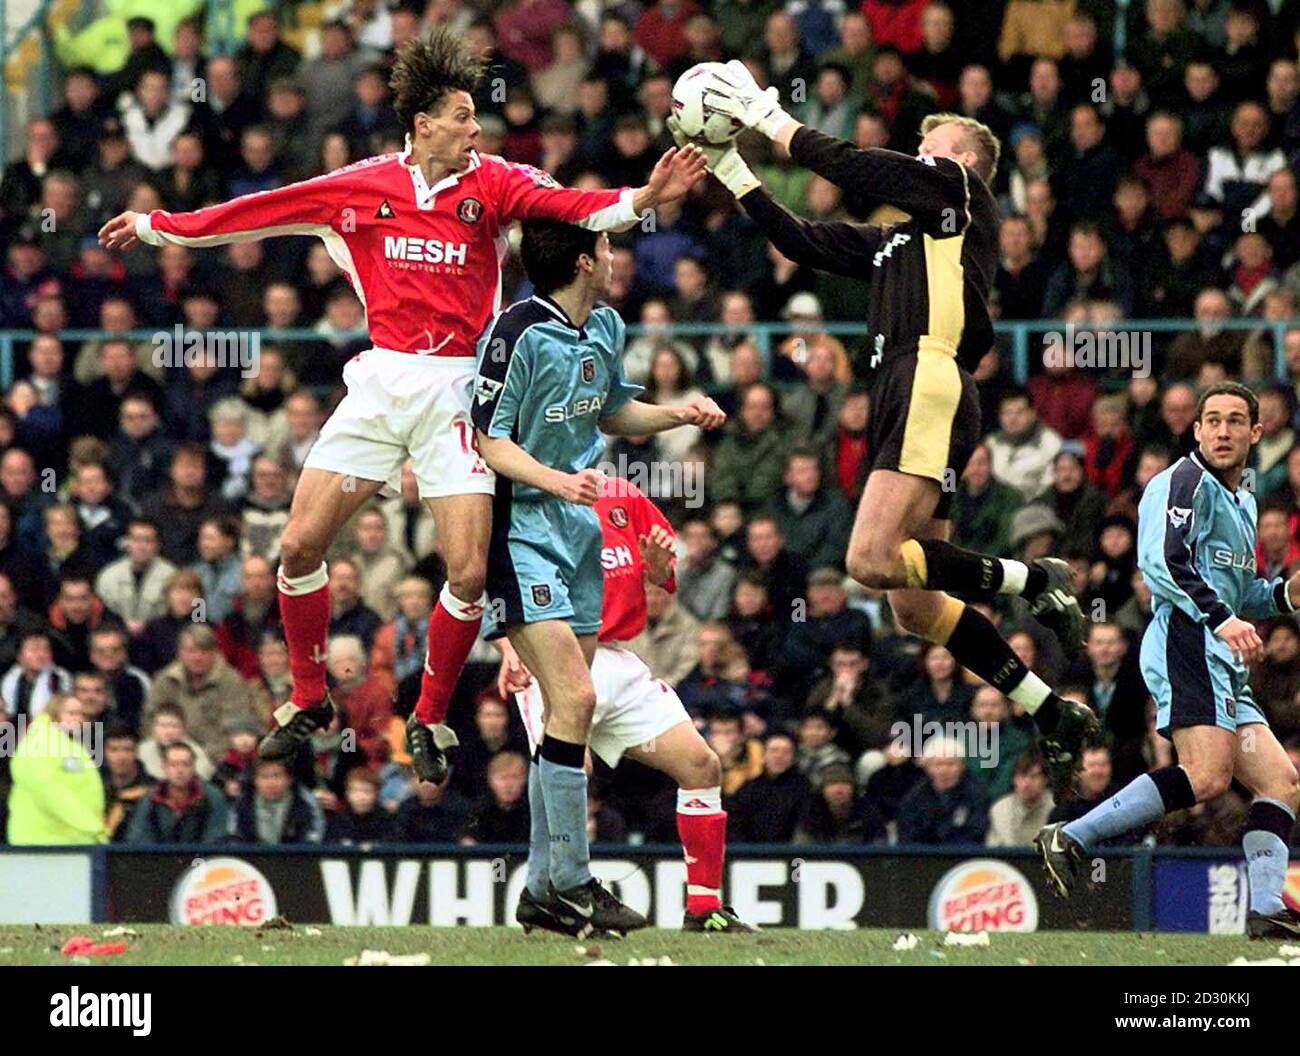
(976, 137)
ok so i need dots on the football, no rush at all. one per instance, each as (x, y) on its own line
(697, 120)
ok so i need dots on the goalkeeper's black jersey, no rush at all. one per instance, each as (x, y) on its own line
(928, 277)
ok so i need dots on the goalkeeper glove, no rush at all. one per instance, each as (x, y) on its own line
(736, 94)
(723, 160)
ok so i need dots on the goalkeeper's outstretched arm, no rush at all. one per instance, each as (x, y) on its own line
(934, 190)
(834, 246)
(827, 245)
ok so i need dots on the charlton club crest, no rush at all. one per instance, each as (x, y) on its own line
(588, 370)
(470, 210)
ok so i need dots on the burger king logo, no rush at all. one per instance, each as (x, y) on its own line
(222, 891)
(1291, 891)
(983, 895)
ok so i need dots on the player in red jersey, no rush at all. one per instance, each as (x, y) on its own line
(637, 714)
(421, 236)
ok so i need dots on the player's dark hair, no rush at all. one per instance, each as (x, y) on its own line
(427, 70)
(1230, 388)
(550, 252)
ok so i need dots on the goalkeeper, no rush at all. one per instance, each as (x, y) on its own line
(928, 280)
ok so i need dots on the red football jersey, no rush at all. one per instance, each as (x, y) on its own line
(625, 515)
(425, 261)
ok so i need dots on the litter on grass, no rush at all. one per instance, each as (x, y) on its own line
(1267, 962)
(85, 946)
(382, 958)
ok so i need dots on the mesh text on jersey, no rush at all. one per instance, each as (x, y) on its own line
(425, 250)
(613, 557)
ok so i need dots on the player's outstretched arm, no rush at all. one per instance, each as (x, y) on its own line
(527, 193)
(306, 208)
(119, 232)
(1265, 598)
(935, 190)
(510, 460)
(676, 172)
(833, 246)
(836, 246)
(635, 418)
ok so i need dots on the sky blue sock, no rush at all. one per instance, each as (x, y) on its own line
(564, 793)
(1267, 822)
(539, 839)
(1136, 804)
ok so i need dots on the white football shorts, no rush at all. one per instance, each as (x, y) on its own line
(632, 706)
(397, 404)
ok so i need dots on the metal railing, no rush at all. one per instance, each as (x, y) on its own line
(1017, 339)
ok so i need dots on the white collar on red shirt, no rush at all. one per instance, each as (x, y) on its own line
(424, 194)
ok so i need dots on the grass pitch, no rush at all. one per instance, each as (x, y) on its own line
(160, 944)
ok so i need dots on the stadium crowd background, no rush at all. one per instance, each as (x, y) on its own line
(1149, 172)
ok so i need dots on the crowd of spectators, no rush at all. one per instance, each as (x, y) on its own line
(1149, 171)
